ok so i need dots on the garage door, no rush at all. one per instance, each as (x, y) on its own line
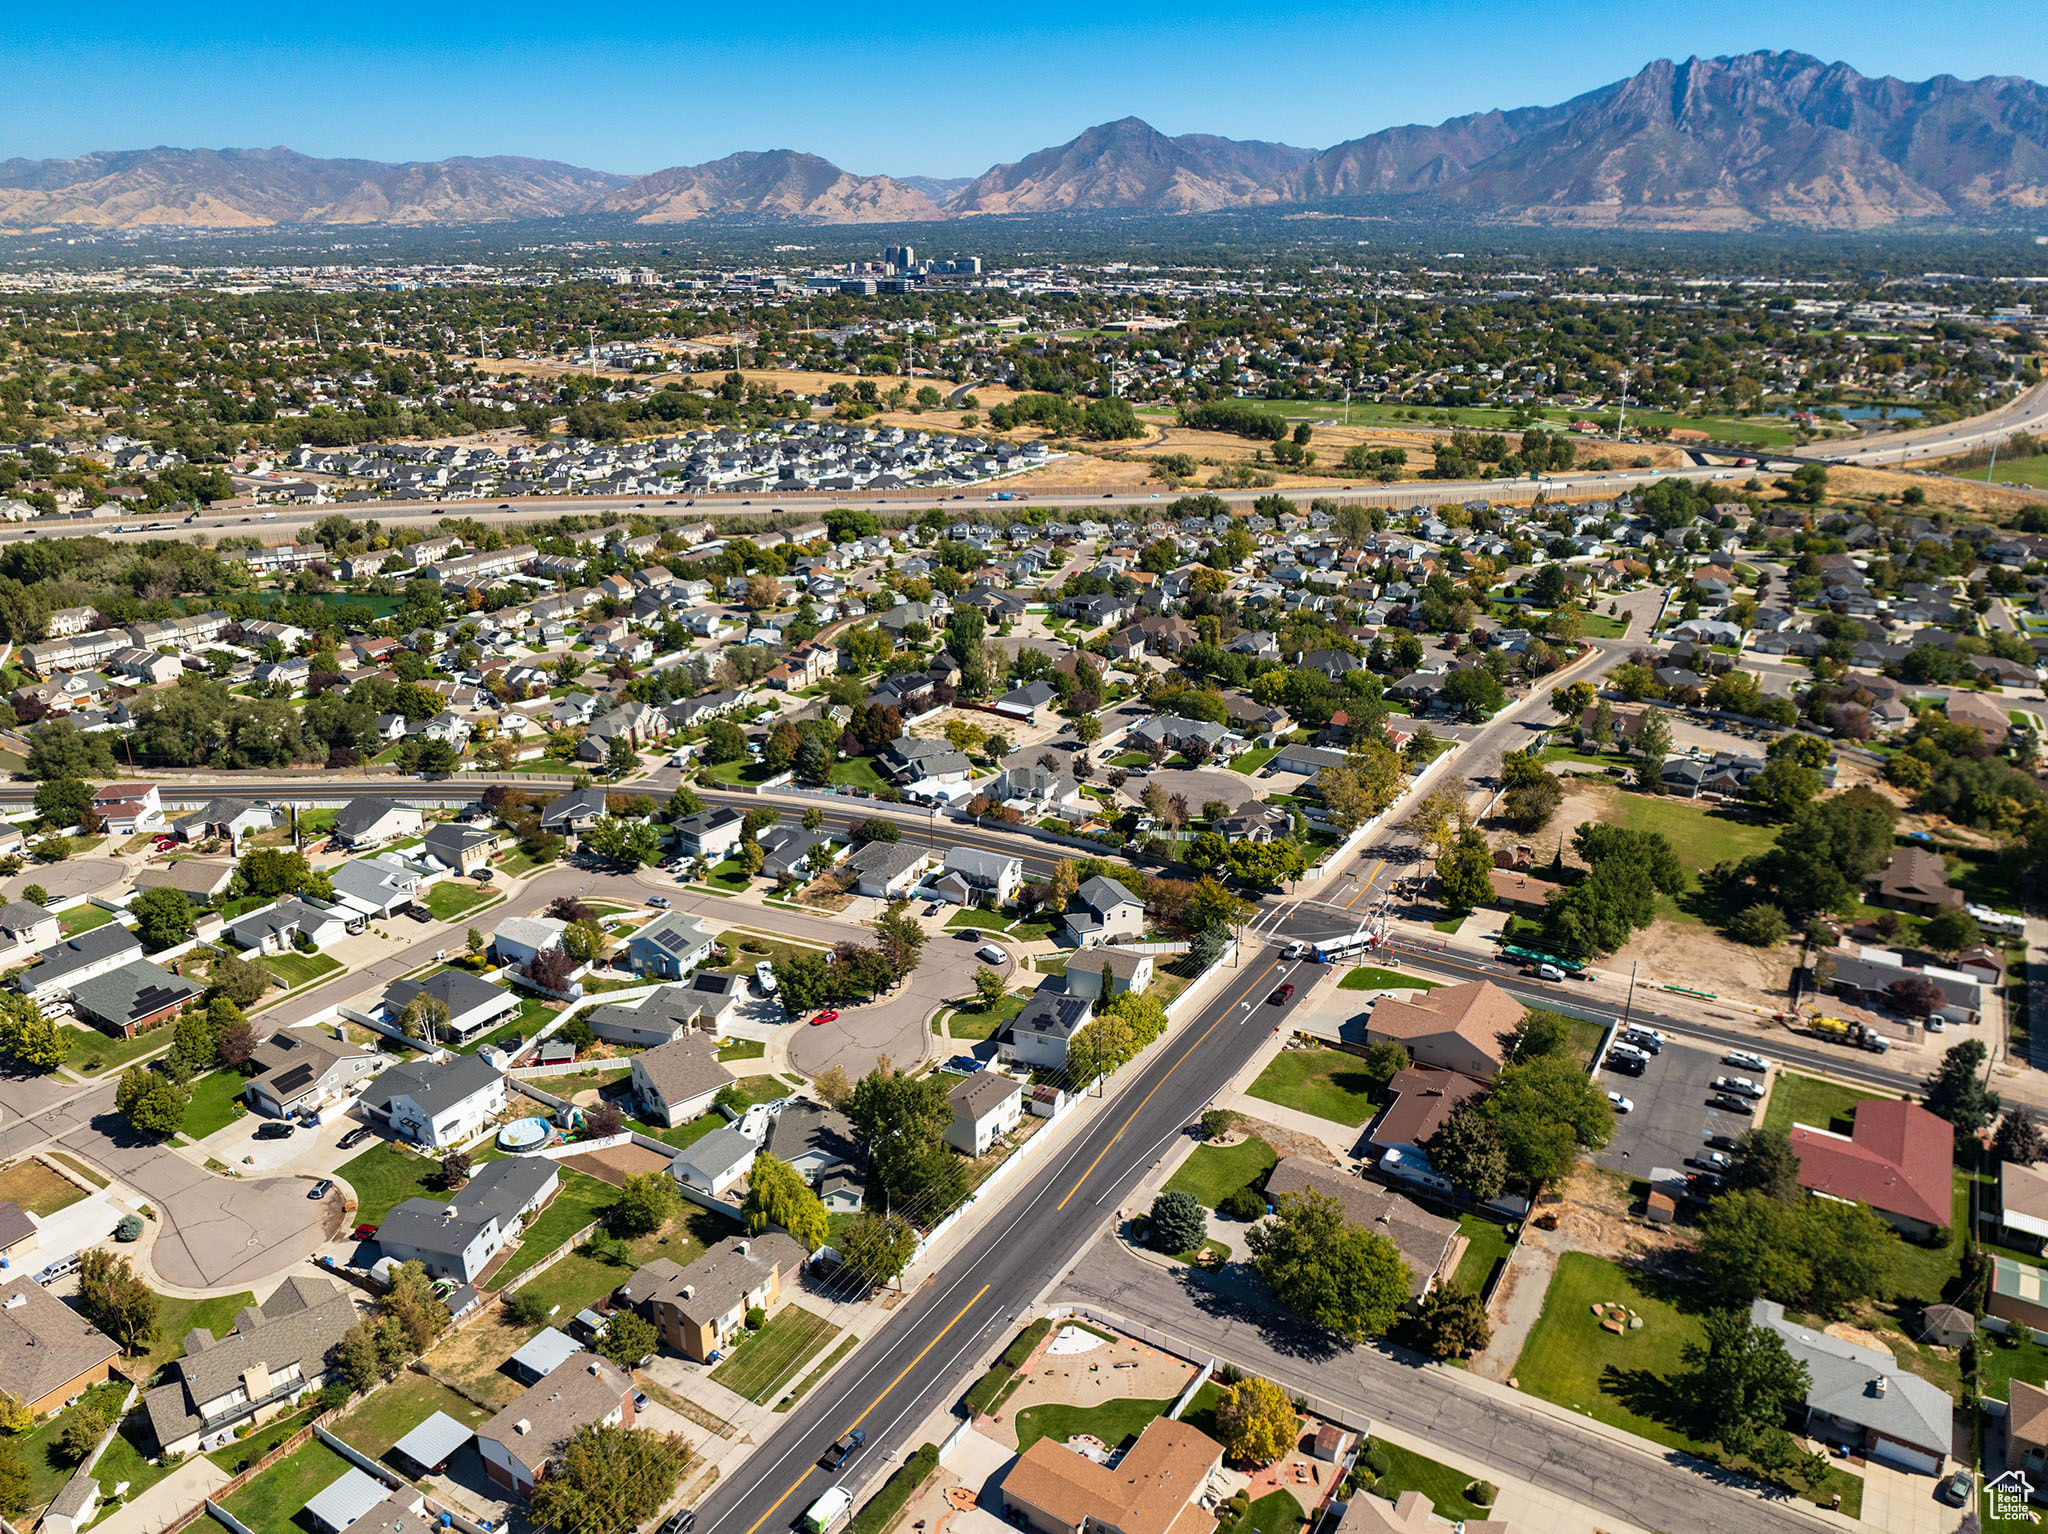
(1905, 1458)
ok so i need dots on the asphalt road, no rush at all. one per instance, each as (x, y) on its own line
(2028, 412)
(918, 1361)
(1634, 1480)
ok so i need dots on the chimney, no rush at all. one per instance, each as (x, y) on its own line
(1877, 1385)
(16, 1300)
(689, 1291)
(744, 1247)
(522, 1426)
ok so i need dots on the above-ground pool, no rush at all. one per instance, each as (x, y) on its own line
(525, 1134)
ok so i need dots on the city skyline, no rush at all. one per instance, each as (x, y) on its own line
(633, 90)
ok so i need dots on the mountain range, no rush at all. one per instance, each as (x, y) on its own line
(1723, 143)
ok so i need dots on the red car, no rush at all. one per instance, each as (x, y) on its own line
(829, 1015)
(1281, 995)
(364, 1232)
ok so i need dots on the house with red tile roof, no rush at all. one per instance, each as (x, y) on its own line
(1898, 1159)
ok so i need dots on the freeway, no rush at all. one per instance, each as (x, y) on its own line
(2027, 412)
(916, 1362)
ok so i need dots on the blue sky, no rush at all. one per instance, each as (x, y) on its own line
(934, 90)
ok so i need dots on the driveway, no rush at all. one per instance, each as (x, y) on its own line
(218, 1232)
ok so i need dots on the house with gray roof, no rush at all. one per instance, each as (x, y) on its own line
(715, 1162)
(698, 1308)
(134, 997)
(523, 1441)
(671, 946)
(1042, 1033)
(1103, 972)
(457, 1236)
(376, 886)
(676, 1081)
(1104, 909)
(300, 1069)
(278, 1352)
(62, 966)
(438, 1104)
(652, 1021)
(573, 812)
(986, 1106)
(461, 849)
(887, 870)
(980, 878)
(367, 822)
(277, 928)
(1861, 1398)
(473, 1004)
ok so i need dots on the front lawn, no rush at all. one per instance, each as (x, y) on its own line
(742, 1049)
(297, 969)
(1249, 762)
(580, 1279)
(449, 900)
(1627, 1380)
(858, 772)
(575, 1206)
(974, 1022)
(1329, 1083)
(216, 1103)
(1214, 1172)
(88, 1051)
(385, 1176)
(762, 1364)
(1797, 1099)
(38, 1189)
(1114, 1422)
(1370, 977)
(269, 1504)
(1408, 1471)
(177, 1318)
(729, 877)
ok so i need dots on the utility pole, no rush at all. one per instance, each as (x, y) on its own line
(1629, 1005)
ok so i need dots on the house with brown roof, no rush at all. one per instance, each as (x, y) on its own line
(1410, 1513)
(2023, 1205)
(1980, 714)
(1429, 1244)
(1152, 1490)
(1421, 1098)
(523, 1441)
(2026, 1432)
(278, 1352)
(1517, 890)
(48, 1352)
(1915, 880)
(696, 1309)
(1454, 1027)
(1898, 1159)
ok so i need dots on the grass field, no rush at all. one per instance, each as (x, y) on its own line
(858, 772)
(1445, 1487)
(1797, 1099)
(48, 1470)
(449, 900)
(297, 969)
(1700, 835)
(1488, 1245)
(83, 1046)
(1214, 1172)
(83, 918)
(1370, 977)
(1249, 762)
(1627, 1380)
(238, 1456)
(973, 1022)
(1329, 1083)
(580, 1279)
(378, 1421)
(760, 1366)
(216, 1103)
(742, 1049)
(38, 1189)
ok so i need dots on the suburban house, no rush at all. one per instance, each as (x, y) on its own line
(2019, 1294)
(671, 945)
(473, 1005)
(1861, 1398)
(1868, 975)
(277, 928)
(522, 939)
(670, 1012)
(69, 963)
(230, 819)
(376, 886)
(1409, 1513)
(819, 1144)
(277, 1352)
(438, 1105)
(1898, 1159)
(1104, 909)
(709, 834)
(986, 1106)
(1051, 1489)
(1916, 880)
(455, 1237)
(1100, 973)
(1429, 1244)
(461, 849)
(698, 1308)
(130, 807)
(1421, 1098)
(574, 812)
(300, 1070)
(2026, 1433)
(1455, 1027)
(134, 997)
(975, 878)
(199, 880)
(1042, 1032)
(2023, 1205)
(364, 823)
(887, 870)
(675, 1082)
(715, 1162)
(48, 1351)
(523, 1441)
(25, 929)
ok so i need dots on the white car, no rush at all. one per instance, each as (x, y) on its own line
(1654, 1033)
(1621, 1104)
(1746, 1060)
(1741, 1086)
(1627, 1052)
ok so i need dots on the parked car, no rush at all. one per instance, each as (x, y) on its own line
(1648, 1043)
(835, 1458)
(1957, 1488)
(932, 908)
(1627, 1065)
(58, 1269)
(764, 977)
(659, 902)
(829, 1015)
(684, 1521)
(1711, 1161)
(988, 953)
(1621, 1104)
(364, 1232)
(419, 912)
(1742, 1086)
(639, 1400)
(1727, 1104)
(276, 1129)
(1745, 1060)
(321, 1188)
(970, 934)
(1722, 1142)
(1623, 1050)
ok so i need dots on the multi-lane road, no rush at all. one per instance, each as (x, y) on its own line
(2027, 412)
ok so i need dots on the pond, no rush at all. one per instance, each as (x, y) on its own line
(1880, 413)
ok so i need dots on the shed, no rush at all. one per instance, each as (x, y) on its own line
(346, 1500)
(545, 1353)
(434, 1442)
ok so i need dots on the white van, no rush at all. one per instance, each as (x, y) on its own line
(827, 1510)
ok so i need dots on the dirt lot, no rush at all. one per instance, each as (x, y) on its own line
(1596, 1214)
(1285, 1142)
(618, 1163)
(471, 1358)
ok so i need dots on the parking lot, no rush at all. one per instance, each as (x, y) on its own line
(1671, 1119)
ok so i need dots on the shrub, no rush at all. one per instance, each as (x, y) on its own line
(1481, 1493)
(756, 1319)
(1247, 1203)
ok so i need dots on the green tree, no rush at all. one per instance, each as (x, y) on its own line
(2019, 1139)
(1546, 1112)
(619, 756)
(624, 843)
(628, 1339)
(1949, 932)
(1958, 1091)
(1454, 1322)
(803, 980)
(876, 829)
(425, 1017)
(878, 1247)
(777, 1195)
(610, 1480)
(1326, 1271)
(163, 917)
(1176, 1222)
(1257, 1422)
(1764, 1162)
(17, 1490)
(116, 1300)
(29, 1037)
(1464, 872)
(645, 1203)
(1467, 1149)
(901, 1120)
(57, 748)
(1653, 740)
(1741, 1380)
(988, 987)
(1761, 925)
(63, 801)
(81, 1432)
(280, 871)
(151, 1102)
